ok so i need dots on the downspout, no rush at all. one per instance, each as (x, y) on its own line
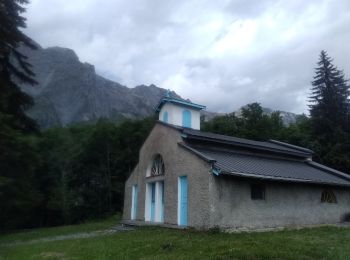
(215, 170)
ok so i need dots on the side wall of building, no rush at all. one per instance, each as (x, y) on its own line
(285, 204)
(178, 162)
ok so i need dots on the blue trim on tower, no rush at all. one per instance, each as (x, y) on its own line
(167, 99)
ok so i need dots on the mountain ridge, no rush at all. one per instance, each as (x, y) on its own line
(71, 91)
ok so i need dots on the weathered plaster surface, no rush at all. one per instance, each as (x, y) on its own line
(178, 162)
(289, 204)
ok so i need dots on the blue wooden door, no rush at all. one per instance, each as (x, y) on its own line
(153, 201)
(183, 201)
(186, 118)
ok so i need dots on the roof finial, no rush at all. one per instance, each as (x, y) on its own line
(167, 93)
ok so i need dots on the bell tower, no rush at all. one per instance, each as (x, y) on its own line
(179, 112)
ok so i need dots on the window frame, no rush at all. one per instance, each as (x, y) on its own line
(157, 166)
(257, 189)
(328, 196)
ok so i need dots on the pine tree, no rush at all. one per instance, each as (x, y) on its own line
(14, 67)
(329, 111)
(329, 98)
(18, 193)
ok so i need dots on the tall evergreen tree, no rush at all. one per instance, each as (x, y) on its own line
(329, 111)
(14, 67)
(19, 197)
(329, 97)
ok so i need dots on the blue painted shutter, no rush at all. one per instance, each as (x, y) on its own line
(162, 210)
(186, 118)
(165, 117)
(183, 201)
(153, 201)
(135, 198)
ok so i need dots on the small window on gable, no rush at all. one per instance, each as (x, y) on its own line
(328, 197)
(165, 117)
(257, 192)
(157, 166)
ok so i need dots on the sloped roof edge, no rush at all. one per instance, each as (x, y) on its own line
(189, 133)
(201, 155)
(257, 145)
(303, 149)
(177, 101)
(330, 170)
(283, 179)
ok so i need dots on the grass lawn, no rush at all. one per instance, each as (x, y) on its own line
(159, 243)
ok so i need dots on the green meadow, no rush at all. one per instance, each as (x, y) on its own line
(98, 240)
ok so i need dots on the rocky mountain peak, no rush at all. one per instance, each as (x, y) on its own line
(70, 91)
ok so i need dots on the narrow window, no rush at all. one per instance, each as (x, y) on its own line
(165, 117)
(257, 192)
(328, 197)
(134, 202)
(186, 118)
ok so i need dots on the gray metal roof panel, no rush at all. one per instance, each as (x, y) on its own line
(271, 168)
(203, 156)
(328, 169)
(291, 146)
(196, 134)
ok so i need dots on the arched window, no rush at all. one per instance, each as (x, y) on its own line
(165, 117)
(157, 167)
(328, 197)
(186, 118)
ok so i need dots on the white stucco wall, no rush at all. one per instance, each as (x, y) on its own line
(175, 115)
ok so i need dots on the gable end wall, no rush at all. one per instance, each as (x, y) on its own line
(178, 162)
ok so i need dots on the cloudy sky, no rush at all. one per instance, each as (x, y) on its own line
(222, 53)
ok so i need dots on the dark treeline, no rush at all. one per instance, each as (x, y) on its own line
(253, 123)
(68, 175)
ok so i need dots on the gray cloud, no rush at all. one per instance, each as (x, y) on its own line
(223, 54)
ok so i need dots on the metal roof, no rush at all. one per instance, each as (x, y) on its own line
(269, 168)
(228, 160)
(168, 99)
(271, 146)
